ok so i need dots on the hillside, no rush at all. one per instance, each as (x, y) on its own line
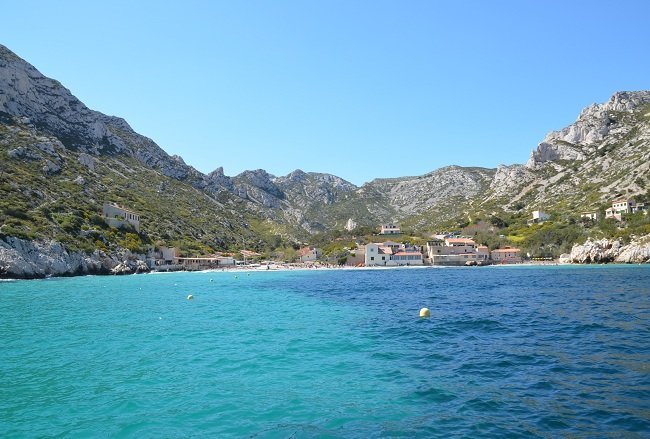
(61, 161)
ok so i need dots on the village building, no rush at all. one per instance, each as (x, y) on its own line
(119, 217)
(163, 258)
(390, 229)
(456, 251)
(538, 217)
(507, 255)
(594, 216)
(392, 254)
(206, 262)
(621, 207)
(309, 254)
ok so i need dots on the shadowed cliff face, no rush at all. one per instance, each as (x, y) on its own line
(607, 146)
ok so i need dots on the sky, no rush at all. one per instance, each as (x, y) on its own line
(359, 89)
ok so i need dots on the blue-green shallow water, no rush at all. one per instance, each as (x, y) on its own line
(507, 352)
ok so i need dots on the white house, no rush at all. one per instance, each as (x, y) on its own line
(392, 254)
(538, 217)
(390, 229)
(117, 216)
(590, 215)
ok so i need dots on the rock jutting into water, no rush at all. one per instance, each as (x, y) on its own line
(23, 259)
(606, 250)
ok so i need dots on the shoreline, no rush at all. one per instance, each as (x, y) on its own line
(288, 267)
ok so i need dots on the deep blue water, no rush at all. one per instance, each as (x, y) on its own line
(508, 352)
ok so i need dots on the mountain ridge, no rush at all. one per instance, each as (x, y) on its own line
(59, 148)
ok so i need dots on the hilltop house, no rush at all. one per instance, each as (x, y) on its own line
(392, 254)
(119, 217)
(594, 216)
(390, 229)
(506, 255)
(623, 206)
(456, 251)
(309, 254)
(538, 217)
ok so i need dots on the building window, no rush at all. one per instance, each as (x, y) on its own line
(372, 258)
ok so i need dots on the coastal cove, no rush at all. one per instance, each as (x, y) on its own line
(509, 351)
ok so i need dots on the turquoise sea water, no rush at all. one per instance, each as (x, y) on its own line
(507, 352)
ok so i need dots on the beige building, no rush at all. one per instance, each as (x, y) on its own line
(506, 255)
(623, 206)
(390, 229)
(456, 251)
(206, 263)
(119, 217)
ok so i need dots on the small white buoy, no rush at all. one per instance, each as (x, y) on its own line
(190, 297)
(211, 280)
(424, 312)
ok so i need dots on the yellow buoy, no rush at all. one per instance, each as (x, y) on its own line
(190, 297)
(424, 312)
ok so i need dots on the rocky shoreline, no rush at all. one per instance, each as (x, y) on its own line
(611, 250)
(23, 259)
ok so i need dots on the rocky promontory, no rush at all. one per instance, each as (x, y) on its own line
(612, 250)
(23, 259)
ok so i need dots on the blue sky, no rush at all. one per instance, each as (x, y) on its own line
(359, 89)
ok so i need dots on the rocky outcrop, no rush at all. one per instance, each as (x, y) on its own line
(508, 179)
(606, 250)
(130, 267)
(593, 125)
(22, 259)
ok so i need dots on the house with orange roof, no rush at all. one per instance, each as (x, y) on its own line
(506, 255)
(456, 251)
(309, 254)
(392, 254)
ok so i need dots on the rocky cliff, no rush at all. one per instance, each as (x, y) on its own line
(612, 250)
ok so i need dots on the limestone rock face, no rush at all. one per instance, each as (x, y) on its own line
(39, 101)
(594, 123)
(410, 195)
(217, 180)
(87, 161)
(635, 253)
(50, 167)
(508, 178)
(24, 259)
(605, 250)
